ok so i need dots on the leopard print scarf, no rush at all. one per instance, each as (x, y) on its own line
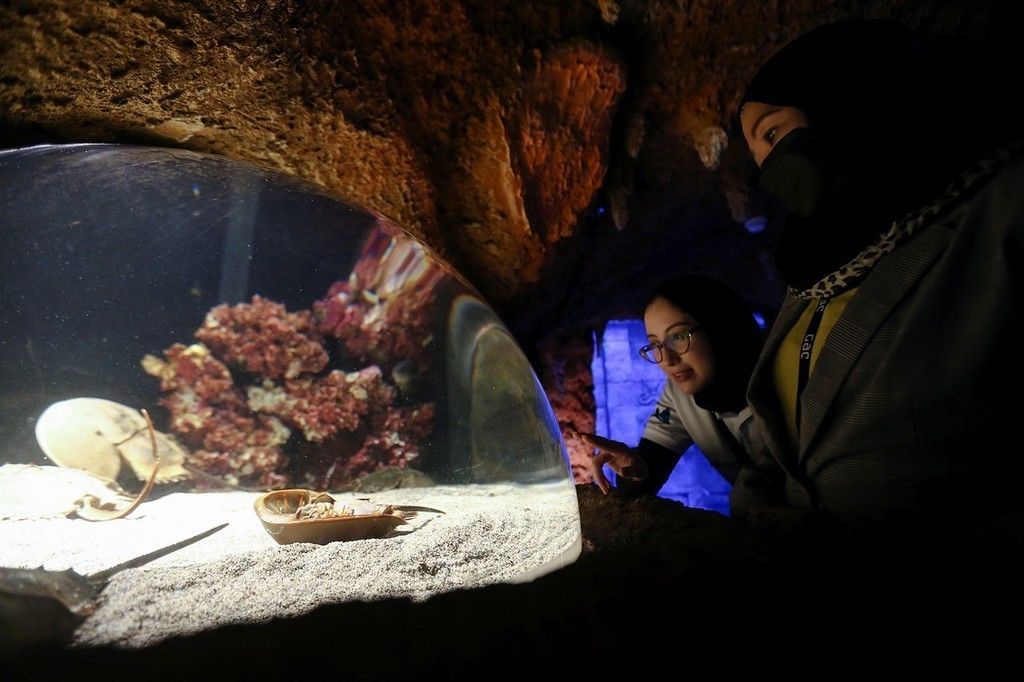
(851, 274)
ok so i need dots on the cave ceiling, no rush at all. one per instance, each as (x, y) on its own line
(564, 155)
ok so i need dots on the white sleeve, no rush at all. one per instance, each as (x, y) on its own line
(665, 426)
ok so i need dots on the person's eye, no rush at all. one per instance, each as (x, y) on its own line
(679, 336)
(771, 134)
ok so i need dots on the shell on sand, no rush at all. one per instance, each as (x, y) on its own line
(94, 435)
(278, 512)
(28, 491)
(82, 434)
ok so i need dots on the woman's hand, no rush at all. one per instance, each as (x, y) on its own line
(618, 456)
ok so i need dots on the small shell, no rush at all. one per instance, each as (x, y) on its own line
(278, 511)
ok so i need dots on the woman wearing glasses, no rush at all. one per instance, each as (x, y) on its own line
(705, 340)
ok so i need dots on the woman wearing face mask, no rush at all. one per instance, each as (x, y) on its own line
(705, 340)
(889, 388)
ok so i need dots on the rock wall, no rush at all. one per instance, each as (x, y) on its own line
(564, 363)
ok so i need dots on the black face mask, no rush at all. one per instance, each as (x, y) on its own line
(802, 173)
(837, 206)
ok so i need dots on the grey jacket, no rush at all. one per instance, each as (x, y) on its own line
(911, 412)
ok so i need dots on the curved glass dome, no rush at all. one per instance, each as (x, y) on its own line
(317, 379)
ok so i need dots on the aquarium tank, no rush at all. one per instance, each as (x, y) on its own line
(228, 395)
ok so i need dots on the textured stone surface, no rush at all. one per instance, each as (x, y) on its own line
(562, 130)
(239, 79)
(564, 363)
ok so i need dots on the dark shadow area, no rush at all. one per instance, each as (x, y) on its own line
(657, 584)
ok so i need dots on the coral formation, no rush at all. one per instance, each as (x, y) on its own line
(261, 402)
(377, 314)
(209, 414)
(263, 338)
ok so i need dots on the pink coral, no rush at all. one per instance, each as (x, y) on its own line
(208, 412)
(191, 367)
(375, 329)
(348, 421)
(414, 423)
(251, 466)
(381, 313)
(394, 442)
(263, 338)
(322, 406)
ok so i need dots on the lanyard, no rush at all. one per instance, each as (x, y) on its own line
(806, 346)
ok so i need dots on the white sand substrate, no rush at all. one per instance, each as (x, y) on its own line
(488, 533)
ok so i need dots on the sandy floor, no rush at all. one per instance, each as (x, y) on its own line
(488, 533)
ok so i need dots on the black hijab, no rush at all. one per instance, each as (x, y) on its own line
(891, 118)
(730, 329)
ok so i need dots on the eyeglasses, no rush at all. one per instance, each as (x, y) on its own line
(677, 342)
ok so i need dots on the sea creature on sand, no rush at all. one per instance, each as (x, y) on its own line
(97, 435)
(104, 430)
(299, 515)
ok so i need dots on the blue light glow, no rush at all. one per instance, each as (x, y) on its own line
(626, 389)
(759, 318)
(756, 224)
